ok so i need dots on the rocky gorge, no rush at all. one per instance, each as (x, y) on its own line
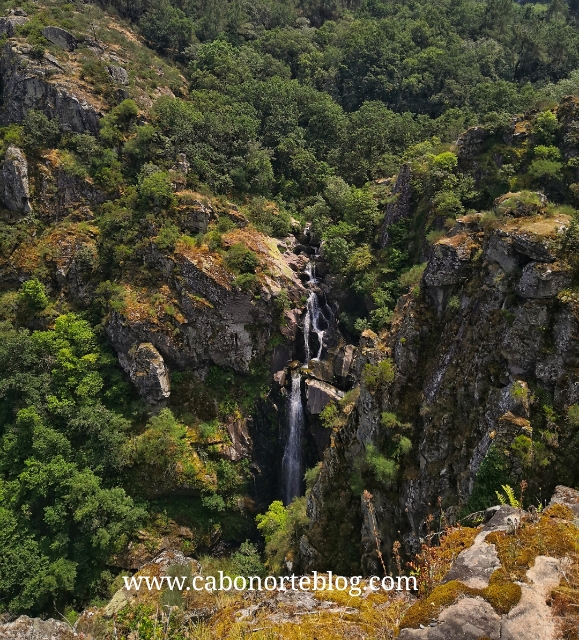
(345, 381)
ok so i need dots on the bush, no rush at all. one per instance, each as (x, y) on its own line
(412, 277)
(246, 282)
(241, 259)
(246, 561)
(156, 190)
(40, 132)
(32, 296)
(375, 375)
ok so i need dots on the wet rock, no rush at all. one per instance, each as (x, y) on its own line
(25, 628)
(15, 181)
(541, 280)
(319, 394)
(60, 37)
(148, 373)
(399, 209)
(567, 497)
(118, 75)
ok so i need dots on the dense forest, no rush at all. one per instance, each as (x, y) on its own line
(293, 113)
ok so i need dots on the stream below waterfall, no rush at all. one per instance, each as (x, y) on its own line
(315, 324)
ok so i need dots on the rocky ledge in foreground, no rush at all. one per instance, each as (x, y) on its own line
(515, 581)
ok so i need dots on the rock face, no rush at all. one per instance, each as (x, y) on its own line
(399, 209)
(217, 322)
(463, 378)
(319, 394)
(15, 181)
(448, 266)
(147, 370)
(8, 25)
(60, 37)
(25, 86)
(469, 143)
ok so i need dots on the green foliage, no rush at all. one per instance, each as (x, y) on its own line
(246, 561)
(32, 297)
(413, 276)
(240, 259)
(155, 190)
(62, 445)
(385, 469)
(282, 528)
(573, 415)
(376, 375)
(39, 132)
(246, 282)
(508, 497)
(545, 128)
(166, 27)
(494, 471)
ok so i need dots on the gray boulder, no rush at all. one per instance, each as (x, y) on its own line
(148, 373)
(15, 180)
(60, 37)
(25, 628)
(319, 394)
(118, 75)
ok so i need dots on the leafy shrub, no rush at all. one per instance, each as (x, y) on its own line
(32, 296)
(241, 259)
(375, 375)
(167, 237)
(384, 469)
(268, 218)
(40, 132)
(246, 282)
(282, 528)
(156, 190)
(246, 561)
(413, 276)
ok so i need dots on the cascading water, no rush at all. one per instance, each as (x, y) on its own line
(292, 470)
(292, 457)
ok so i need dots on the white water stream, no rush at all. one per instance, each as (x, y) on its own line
(292, 466)
(292, 458)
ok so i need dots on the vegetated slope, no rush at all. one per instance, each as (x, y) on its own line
(142, 198)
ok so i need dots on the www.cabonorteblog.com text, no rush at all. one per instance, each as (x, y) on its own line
(315, 582)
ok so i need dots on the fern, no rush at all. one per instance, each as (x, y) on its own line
(510, 496)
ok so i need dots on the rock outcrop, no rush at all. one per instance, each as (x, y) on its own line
(463, 378)
(319, 394)
(60, 37)
(25, 628)
(27, 84)
(399, 208)
(147, 370)
(16, 190)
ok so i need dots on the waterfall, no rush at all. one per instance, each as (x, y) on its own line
(292, 458)
(312, 323)
(314, 316)
(314, 320)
